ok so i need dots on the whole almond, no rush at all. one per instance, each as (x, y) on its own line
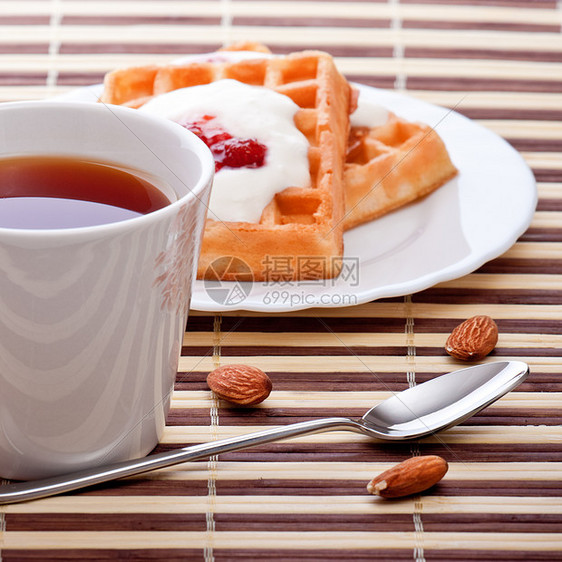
(240, 384)
(409, 477)
(473, 339)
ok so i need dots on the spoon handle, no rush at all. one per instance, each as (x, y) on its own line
(13, 493)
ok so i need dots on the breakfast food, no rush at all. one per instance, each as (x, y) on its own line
(301, 220)
(409, 477)
(473, 339)
(286, 223)
(390, 165)
(252, 134)
(240, 384)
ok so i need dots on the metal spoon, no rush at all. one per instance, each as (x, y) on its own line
(418, 411)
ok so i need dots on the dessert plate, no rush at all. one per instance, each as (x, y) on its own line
(472, 219)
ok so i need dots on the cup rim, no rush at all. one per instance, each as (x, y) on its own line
(196, 145)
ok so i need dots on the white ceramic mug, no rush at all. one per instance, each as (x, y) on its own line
(92, 318)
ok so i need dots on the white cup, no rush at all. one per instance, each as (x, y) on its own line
(92, 318)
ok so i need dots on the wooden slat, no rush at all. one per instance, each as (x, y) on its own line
(551, 190)
(364, 363)
(465, 434)
(366, 339)
(278, 9)
(540, 542)
(516, 129)
(344, 505)
(356, 471)
(187, 400)
(498, 282)
(435, 68)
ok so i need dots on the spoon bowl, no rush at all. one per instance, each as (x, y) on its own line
(418, 411)
(444, 401)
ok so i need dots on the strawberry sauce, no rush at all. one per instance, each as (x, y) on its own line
(251, 132)
(228, 151)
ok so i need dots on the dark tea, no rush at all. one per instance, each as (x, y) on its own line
(45, 192)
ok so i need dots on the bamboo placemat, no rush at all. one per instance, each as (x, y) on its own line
(498, 62)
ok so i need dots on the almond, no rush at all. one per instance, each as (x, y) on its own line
(240, 384)
(409, 477)
(473, 339)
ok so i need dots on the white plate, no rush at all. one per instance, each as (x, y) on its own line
(472, 219)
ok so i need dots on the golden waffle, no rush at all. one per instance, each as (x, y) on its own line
(300, 234)
(387, 166)
(390, 166)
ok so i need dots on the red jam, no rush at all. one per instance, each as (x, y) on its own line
(228, 151)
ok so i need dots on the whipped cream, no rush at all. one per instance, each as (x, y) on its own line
(241, 194)
(368, 114)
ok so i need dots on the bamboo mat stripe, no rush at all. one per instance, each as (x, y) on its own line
(189, 400)
(327, 505)
(498, 62)
(108, 522)
(289, 540)
(461, 434)
(535, 472)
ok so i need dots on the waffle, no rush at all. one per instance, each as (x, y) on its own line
(300, 233)
(390, 166)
